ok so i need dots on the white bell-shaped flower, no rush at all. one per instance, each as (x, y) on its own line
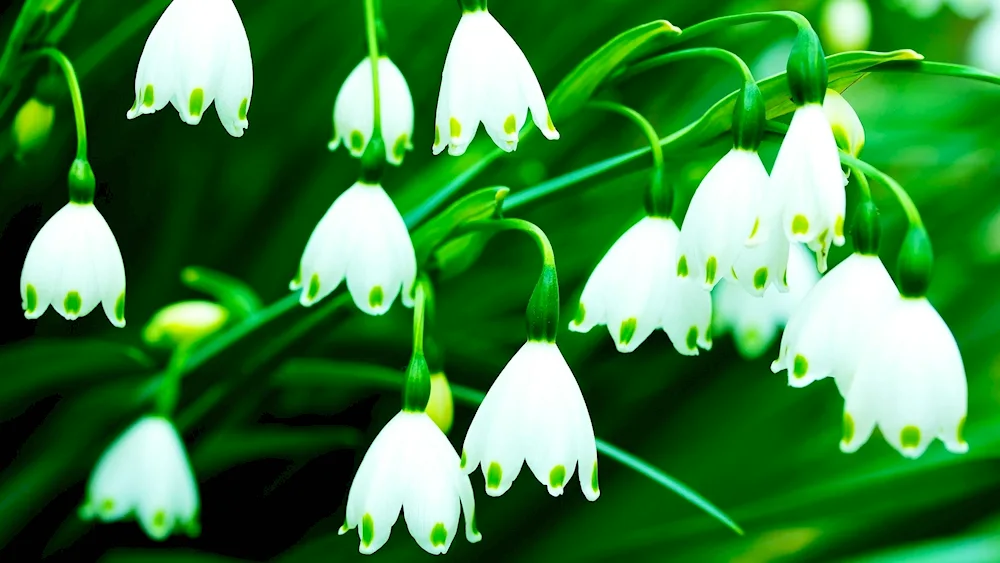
(755, 320)
(723, 215)
(808, 177)
(764, 261)
(361, 237)
(487, 79)
(910, 383)
(635, 289)
(145, 474)
(196, 54)
(73, 264)
(848, 132)
(354, 111)
(534, 412)
(411, 466)
(830, 328)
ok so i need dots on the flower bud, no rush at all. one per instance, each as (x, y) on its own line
(32, 126)
(807, 72)
(847, 128)
(915, 264)
(867, 230)
(441, 406)
(183, 323)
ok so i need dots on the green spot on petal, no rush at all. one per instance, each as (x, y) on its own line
(784, 278)
(732, 270)
(148, 99)
(682, 267)
(756, 225)
(196, 101)
(437, 135)
(464, 460)
(960, 431)
(456, 128)
(399, 147)
(510, 125)
(909, 437)
(800, 366)
(375, 297)
(494, 475)
(313, 287)
(822, 238)
(593, 480)
(367, 529)
(838, 227)
(557, 476)
(760, 278)
(627, 331)
(800, 225)
(244, 105)
(30, 298)
(120, 307)
(711, 265)
(439, 535)
(581, 314)
(848, 428)
(549, 124)
(357, 141)
(107, 505)
(159, 519)
(692, 338)
(475, 528)
(73, 303)
(297, 281)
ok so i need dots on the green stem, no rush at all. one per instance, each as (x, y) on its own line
(941, 69)
(372, 18)
(169, 390)
(74, 91)
(417, 385)
(660, 198)
(912, 214)
(723, 55)
(510, 224)
(706, 27)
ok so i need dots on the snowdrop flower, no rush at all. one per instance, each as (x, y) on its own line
(196, 54)
(486, 79)
(145, 473)
(829, 330)
(722, 216)
(808, 177)
(32, 126)
(848, 132)
(361, 237)
(354, 110)
(636, 289)
(755, 321)
(533, 413)
(73, 264)
(910, 383)
(846, 24)
(411, 466)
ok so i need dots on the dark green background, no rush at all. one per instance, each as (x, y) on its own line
(766, 454)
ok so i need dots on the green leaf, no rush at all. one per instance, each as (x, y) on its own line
(479, 205)
(458, 254)
(316, 372)
(40, 368)
(582, 82)
(231, 293)
(227, 448)
(940, 69)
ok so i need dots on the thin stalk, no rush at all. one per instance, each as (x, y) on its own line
(73, 85)
(723, 55)
(912, 214)
(371, 29)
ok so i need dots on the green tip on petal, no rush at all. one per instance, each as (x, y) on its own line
(493, 476)
(464, 460)
(760, 278)
(958, 432)
(439, 535)
(73, 303)
(120, 308)
(557, 477)
(376, 297)
(160, 520)
(627, 331)
(711, 265)
(682, 267)
(148, 97)
(367, 529)
(313, 287)
(581, 314)
(437, 135)
(692, 338)
(399, 147)
(243, 109)
(800, 225)
(472, 524)
(756, 226)
(510, 125)
(909, 437)
(848, 428)
(838, 227)
(593, 480)
(456, 128)
(30, 298)
(357, 141)
(800, 366)
(196, 101)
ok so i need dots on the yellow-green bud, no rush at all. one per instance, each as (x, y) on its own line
(441, 406)
(182, 323)
(32, 126)
(847, 127)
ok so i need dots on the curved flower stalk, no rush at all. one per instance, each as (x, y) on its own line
(832, 326)
(635, 289)
(755, 320)
(362, 238)
(808, 179)
(722, 217)
(412, 466)
(354, 110)
(197, 53)
(486, 79)
(73, 264)
(910, 382)
(145, 473)
(534, 413)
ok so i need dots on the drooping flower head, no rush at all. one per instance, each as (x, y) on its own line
(910, 382)
(486, 79)
(723, 215)
(534, 413)
(354, 111)
(73, 264)
(197, 53)
(411, 466)
(145, 473)
(362, 238)
(635, 289)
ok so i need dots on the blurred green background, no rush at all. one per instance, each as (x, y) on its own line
(274, 461)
